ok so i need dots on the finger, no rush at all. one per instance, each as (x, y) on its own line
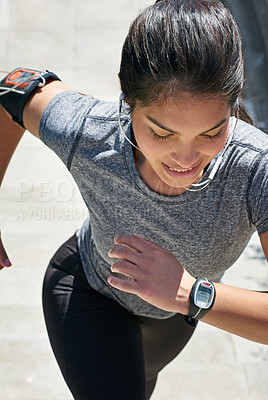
(132, 241)
(124, 253)
(122, 284)
(4, 261)
(125, 268)
(149, 242)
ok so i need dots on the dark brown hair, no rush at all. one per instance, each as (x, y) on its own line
(177, 46)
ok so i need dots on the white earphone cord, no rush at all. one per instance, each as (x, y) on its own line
(13, 89)
(203, 185)
(121, 98)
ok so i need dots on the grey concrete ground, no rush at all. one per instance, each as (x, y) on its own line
(40, 208)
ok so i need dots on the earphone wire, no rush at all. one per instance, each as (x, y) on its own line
(13, 89)
(197, 187)
(121, 99)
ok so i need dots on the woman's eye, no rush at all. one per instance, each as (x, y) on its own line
(214, 137)
(164, 138)
(159, 137)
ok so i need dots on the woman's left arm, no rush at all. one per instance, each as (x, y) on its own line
(240, 311)
(159, 278)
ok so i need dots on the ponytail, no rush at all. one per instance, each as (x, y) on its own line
(243, 114)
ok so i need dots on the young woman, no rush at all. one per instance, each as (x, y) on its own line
(175, 181)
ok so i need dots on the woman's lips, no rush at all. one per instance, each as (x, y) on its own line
(180, 173)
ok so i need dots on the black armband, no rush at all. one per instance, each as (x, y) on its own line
(17, 86)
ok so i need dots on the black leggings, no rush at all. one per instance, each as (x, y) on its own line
(104, 352)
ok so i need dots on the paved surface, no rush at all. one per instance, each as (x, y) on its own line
(40, 208)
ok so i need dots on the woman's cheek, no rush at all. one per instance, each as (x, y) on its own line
(213, 146)
(150, 145)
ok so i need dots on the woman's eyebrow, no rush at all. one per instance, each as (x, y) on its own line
(154, 121)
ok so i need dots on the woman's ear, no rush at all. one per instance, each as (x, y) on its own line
(235, 108)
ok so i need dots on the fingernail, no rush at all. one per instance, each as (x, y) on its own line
(7, 262)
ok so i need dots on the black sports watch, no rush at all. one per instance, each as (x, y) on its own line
(202, 298)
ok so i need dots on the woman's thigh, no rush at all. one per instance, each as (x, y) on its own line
(163, 340)
(97, 343)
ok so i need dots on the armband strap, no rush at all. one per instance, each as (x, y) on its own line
(17, 86)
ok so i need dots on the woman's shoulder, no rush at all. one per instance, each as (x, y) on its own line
(249, 137)
(71, 112)
(94, 108)
(71, 118)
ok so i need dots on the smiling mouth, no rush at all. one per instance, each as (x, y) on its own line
(181, 173)
(179, 170)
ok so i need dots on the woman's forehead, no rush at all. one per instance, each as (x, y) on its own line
(185, 100)
(187, 104)
(190, 112)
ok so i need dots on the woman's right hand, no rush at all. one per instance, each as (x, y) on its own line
(4, 261)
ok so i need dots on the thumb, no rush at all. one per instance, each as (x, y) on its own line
(4, 261)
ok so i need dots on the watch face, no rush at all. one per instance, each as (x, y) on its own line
(204, 295)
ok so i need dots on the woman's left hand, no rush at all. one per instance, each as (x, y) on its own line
(156, 275)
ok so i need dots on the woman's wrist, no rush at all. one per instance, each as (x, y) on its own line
(183, 294)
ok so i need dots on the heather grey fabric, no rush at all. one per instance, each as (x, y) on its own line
(207, 230)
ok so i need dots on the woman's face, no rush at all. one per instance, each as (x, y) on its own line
(178, 140)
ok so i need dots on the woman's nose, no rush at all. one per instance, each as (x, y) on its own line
(186, 156)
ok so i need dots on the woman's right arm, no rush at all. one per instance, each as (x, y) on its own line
(37, 103)
(11, 133)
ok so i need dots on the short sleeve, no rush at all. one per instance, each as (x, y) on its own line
(62, 122)
(258, 194)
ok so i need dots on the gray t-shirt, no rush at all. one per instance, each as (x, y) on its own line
(206, 230)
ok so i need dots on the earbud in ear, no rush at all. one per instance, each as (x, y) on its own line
(121, 99)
